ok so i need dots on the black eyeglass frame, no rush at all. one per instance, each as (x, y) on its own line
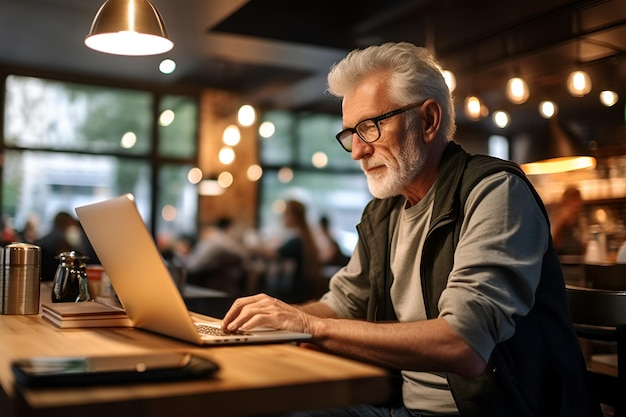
(376, 120)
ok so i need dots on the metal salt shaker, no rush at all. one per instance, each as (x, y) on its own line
(21, 274)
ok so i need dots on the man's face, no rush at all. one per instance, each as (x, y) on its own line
(393, 161)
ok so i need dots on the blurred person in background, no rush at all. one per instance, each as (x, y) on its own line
(569, 233)
(294, 271)
(9, 234)
(65, 235)
(30, 231)
(218, 260)
(330, 251)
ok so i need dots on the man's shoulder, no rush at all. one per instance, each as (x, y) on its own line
(486, 163)
(481, 166)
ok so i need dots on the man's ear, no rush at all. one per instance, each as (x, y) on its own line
(431, 119)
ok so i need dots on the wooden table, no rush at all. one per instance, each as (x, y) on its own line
(254, 380)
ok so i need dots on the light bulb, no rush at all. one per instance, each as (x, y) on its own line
(246, 115)
(579, 83)
(166, 117)
(517, 90)
(226, 155)
(167, 66)
(225, 179)
(254, 172)
(267, 129)
(548, 109)
(472, 107)
(608, 98)
(231, 135)
(194, 176)
(501, 119)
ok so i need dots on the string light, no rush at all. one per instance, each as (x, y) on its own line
(501, 119)
(246, 115)
(548, 109)
(517, 90)
(579, 83)
(472, 107)
(608, 98)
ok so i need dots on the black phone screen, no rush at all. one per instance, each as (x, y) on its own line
(73, 370)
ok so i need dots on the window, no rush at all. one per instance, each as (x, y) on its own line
(340, 197)
(499, 146)
(69, 144)
(336, 189)
(54, 115)
(178, 120)
(44, 183)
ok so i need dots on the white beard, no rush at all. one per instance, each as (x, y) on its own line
(399, 172)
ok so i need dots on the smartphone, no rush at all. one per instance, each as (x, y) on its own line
(97, 370)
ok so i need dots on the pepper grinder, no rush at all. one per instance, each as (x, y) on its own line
(70, 280)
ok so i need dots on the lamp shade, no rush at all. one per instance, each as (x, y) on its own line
(128, 27)
(560, 151)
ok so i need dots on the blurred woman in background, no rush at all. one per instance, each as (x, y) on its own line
(296, 275)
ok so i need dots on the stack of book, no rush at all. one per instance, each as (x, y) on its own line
(84, 314)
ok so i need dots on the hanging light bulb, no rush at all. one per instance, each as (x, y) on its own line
(267, 129)
(167, 66)
(473, 107)
(579, 83)
(194, 176)
(254, 172)
(517, 90)
(608, 98)
(226, 155)
(225, 179)
(246, 115)
(501, 119)
(548, 109)
(231, 135)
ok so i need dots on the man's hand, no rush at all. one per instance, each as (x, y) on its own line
(261, 310)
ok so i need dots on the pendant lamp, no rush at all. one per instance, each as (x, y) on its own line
(559, 152)
(128, 27)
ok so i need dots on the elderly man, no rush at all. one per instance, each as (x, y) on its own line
(454, 282)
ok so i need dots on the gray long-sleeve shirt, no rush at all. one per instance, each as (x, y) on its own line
(498, 260)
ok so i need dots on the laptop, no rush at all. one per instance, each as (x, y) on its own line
(142, 282)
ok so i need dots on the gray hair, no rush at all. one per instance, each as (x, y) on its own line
(414, 76)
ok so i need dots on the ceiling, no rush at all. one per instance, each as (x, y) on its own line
(276, 53)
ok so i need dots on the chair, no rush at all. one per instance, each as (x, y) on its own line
(606, 277)
(228, 274)
(600, 315)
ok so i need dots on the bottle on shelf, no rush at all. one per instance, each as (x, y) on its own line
(596, 247)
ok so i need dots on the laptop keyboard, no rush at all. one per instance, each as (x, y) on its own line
(217, 331)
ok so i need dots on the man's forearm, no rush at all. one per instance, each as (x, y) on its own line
(318, 309)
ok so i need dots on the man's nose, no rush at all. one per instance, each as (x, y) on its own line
(360, 148)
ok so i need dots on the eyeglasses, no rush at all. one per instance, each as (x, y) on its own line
(368, 130)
